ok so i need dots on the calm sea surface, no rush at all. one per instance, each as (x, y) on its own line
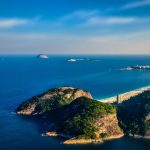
(22, 77)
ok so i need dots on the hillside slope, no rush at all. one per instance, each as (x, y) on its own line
(134, 115)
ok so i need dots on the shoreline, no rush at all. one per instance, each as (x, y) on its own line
(124, 96)
(73, 140)
(70, 140)
(113, 95)
(114, 137)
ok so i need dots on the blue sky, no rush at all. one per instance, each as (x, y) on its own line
(75, 26)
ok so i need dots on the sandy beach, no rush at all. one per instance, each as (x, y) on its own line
(125, 96)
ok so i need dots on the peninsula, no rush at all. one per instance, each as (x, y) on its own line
(74, 114)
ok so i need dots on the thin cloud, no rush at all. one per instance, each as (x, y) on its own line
(86, 18)
(15, 22)
(75, 17)
(82, 14)
(9, 23)
(136, 4)
(111, 20)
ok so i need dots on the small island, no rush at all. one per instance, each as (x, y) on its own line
(147, 67)
(72, 60)
(42, 56)
(82, 59)
(72, 113)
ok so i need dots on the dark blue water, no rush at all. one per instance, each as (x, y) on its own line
(21, 77)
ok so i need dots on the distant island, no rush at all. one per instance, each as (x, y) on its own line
(72, 60)
(74, 114)
(147, 67)
(82, 59)
(43, 56)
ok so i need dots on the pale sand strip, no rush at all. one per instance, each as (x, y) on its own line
(125, 96)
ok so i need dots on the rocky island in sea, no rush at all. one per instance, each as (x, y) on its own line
(147, 67)
(75, 115)
(43, 56)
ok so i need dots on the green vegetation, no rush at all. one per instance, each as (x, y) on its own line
(104, 134)
(132, 114)
(52, 104)
(82, 124)
(42, 106)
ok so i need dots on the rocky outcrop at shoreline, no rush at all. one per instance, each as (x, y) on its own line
(73, 140)
(82, 141)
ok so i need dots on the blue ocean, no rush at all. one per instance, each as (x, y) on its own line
(23, 76)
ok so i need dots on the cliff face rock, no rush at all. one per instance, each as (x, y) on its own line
(50, 100)
(108, 126)
(26, 111)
